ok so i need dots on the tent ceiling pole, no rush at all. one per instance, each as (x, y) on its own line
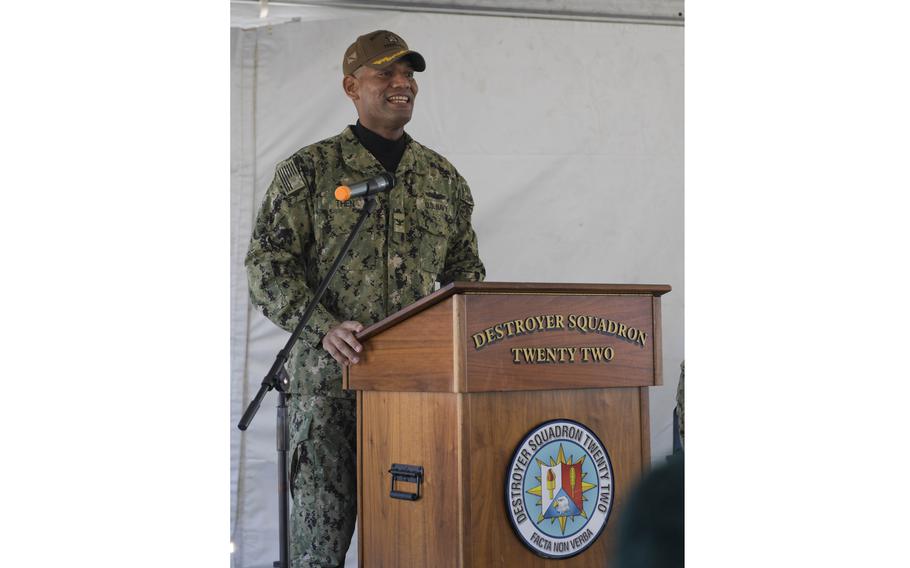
(676, 20)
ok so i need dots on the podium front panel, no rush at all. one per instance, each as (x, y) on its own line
(464, 442)
(418, 429)
(559, 341)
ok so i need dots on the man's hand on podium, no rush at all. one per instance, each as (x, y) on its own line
(341, 344)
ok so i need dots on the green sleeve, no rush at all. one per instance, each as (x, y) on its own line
(462, 259)
(275, 261)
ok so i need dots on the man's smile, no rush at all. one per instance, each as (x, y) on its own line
(399, 99)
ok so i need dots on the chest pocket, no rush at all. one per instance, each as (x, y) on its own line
(434, 229)
(333, 224)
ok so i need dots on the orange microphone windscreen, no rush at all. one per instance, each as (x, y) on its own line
(342, 193)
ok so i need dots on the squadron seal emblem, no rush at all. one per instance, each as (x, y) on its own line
(559, 489)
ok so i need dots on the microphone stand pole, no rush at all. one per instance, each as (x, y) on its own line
(278, 379)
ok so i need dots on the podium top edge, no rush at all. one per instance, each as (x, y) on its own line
(470, 288)
(552, 288)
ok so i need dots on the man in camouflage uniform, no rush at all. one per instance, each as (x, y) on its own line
(420, 233)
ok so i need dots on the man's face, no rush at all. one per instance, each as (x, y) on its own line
(384, 97)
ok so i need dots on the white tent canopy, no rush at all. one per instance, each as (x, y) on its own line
(645, 11)
(569, 132)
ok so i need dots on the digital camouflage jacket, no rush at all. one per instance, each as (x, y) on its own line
(419, 233)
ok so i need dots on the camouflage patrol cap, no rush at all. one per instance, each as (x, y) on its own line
(378, 50)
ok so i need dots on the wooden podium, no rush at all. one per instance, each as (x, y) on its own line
(455, 383)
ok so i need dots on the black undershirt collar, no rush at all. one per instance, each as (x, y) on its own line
(388, 152)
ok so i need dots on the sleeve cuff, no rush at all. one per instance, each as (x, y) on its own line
(320, 323)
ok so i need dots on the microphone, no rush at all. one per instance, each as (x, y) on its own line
(365, 188)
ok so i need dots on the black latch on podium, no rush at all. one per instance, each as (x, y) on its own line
(406, 474)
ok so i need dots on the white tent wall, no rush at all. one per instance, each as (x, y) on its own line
(570, 134)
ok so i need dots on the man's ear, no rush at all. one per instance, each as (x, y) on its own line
(349, 84)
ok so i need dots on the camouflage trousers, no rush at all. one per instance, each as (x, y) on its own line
(323, 479)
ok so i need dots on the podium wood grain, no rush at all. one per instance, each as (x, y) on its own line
(441, 356)
(412, 428)
(491, 368)
(461, 519)
(427, 396)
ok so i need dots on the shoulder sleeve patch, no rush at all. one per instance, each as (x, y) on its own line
(290, 176)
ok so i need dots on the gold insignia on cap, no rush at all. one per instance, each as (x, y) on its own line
(389, 57)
